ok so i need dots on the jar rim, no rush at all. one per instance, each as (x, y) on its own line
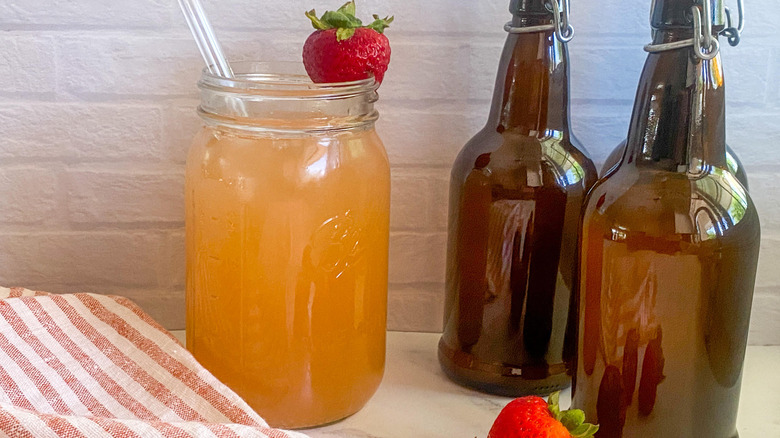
(280, 79)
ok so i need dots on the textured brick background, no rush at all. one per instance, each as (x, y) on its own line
(97, 108)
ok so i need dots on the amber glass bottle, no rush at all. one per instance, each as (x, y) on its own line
(516, 195)
(669, 251)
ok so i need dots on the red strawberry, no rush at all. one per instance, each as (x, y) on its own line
(532, 417)
(342, 49)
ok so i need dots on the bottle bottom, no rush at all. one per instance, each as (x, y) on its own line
(466, 370)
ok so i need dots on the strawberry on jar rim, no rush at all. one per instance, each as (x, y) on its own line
(342, 49)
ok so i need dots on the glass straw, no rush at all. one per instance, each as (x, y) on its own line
(204, 36)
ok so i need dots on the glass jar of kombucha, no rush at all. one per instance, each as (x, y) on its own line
(287, 225)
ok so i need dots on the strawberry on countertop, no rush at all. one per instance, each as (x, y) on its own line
(532, 417)
(342, 49)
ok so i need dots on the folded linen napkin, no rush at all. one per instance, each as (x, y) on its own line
(87, 365)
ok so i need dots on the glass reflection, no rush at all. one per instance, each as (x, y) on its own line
(720, 202)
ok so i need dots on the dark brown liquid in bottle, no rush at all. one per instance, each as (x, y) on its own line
(516, 195)
(668, 262)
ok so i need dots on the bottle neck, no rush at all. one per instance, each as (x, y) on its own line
(532, 89)
(678, 122)
(529, 7)
(676, 14)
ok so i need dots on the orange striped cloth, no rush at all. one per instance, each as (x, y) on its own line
(88, 365)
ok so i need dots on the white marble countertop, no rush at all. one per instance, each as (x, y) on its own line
(416, 400)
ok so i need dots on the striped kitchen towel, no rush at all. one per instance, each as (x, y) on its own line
(89, 365)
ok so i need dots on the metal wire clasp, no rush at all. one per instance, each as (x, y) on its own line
(734, 33)
(705, 46)
(564, 31)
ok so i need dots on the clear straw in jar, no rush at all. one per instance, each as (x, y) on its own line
(205, 37)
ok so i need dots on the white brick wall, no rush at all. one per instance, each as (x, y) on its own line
(97, 106)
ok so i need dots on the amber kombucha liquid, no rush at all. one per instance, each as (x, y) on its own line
(287, 247)
(667, 281)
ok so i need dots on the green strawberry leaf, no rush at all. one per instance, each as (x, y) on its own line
(572, 419)
(339, 19)
(316, 22)
(380, 24)
(584, 431)
(348, 8)
(345, 22)
(552, 405)
(554, 398)
(344, 33)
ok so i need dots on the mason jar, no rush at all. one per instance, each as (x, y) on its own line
(287, 225)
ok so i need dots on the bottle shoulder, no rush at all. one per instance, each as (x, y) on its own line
(502, 155)
(714, 206)
(733, 163)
